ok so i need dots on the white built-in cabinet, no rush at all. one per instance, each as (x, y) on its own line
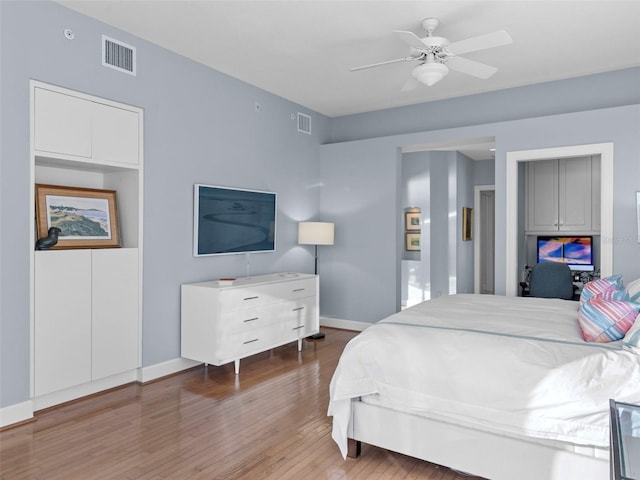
(68, 125)
(86, 309)
(563, 195)
(225, 323)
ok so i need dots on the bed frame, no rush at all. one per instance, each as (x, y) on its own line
(486, 454)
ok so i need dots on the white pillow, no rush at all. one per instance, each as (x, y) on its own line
(632, 337)
(633, 289)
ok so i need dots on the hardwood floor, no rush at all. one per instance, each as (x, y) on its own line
(207, 423)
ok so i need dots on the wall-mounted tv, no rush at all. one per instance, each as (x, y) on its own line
(230, 221)
(576, 252)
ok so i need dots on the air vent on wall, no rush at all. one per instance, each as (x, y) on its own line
(304, 123)
(118, 55)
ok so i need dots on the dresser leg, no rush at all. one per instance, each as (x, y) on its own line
(299, 344)
(236, 365)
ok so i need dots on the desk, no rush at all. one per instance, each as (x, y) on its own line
(625, 441)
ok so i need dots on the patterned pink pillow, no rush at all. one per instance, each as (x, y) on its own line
(606, 321)
(599, 286)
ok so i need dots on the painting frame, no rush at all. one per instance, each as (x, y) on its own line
(467, 223)
(412, 221)
(99, 231)
(412, 242)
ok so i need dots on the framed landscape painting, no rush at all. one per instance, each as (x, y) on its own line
(87, 217)
(412, 242)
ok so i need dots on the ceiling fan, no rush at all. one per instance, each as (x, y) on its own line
(436, 55)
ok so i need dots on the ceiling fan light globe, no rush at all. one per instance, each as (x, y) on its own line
(430, 73)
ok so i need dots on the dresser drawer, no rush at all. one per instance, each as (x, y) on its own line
(235, 298)
(238, 321)
(247, 319)
(246, 343)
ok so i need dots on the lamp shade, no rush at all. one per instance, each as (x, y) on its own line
(315, 233)
(430, 73)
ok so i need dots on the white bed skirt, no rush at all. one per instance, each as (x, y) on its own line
(489, 455)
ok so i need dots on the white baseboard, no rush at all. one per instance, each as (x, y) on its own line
(83, 390)
(153, 372)
(343, 324)
(16, 413)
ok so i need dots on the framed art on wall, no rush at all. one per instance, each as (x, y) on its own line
(87, 217)
(412, 221)
(412, 242)
(467, 223)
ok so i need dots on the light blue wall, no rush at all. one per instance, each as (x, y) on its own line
(484, 172)
(572, 95)
(464, 198)
(618, 125)
(360, 192)
(200, 126)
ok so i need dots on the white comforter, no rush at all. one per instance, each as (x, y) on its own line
(509, 365)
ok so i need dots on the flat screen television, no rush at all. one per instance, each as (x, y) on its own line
(231, 221)
(576, 252)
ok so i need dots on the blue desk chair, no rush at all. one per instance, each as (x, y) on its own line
(551, 280)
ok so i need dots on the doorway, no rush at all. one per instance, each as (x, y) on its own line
(605, 151)
(484, 248)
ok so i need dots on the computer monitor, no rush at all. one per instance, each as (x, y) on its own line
(576, 252)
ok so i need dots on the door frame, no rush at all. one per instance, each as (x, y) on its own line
(477, 232)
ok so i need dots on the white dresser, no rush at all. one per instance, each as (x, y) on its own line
(224, 323)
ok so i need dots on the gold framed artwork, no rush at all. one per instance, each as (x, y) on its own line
(412, 221)
(412, 242)
(467, 223)
(87, 217)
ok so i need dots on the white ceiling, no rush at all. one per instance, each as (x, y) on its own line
(302, 49)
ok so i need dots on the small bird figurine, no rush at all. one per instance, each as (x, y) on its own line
(45, 243)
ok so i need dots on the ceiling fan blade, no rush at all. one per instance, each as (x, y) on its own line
(481, 42)
(471, 67)
(410, 39)
(403, 59)
(410, 84)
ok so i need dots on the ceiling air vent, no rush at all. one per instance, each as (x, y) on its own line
(304, 123)
(118, 55)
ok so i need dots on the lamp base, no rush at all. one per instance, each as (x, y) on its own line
(316, 336)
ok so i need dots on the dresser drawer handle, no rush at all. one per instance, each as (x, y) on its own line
(251, 298)
(298, 328)
(298, 308)
(251, 319)
(250, 341)
(299, 290)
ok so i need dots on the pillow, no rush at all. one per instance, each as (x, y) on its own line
(633, 289)
(606, 321)
(601, 285)
(632, 337)
(609, 295)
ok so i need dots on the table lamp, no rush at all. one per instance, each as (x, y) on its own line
(315, 233)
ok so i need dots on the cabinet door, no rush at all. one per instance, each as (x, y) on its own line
(114, 311)
(62, 123)
(62, 325)
(115, 134)
(542, 195)
(574, 203)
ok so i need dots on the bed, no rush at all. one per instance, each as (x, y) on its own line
(499, 387)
